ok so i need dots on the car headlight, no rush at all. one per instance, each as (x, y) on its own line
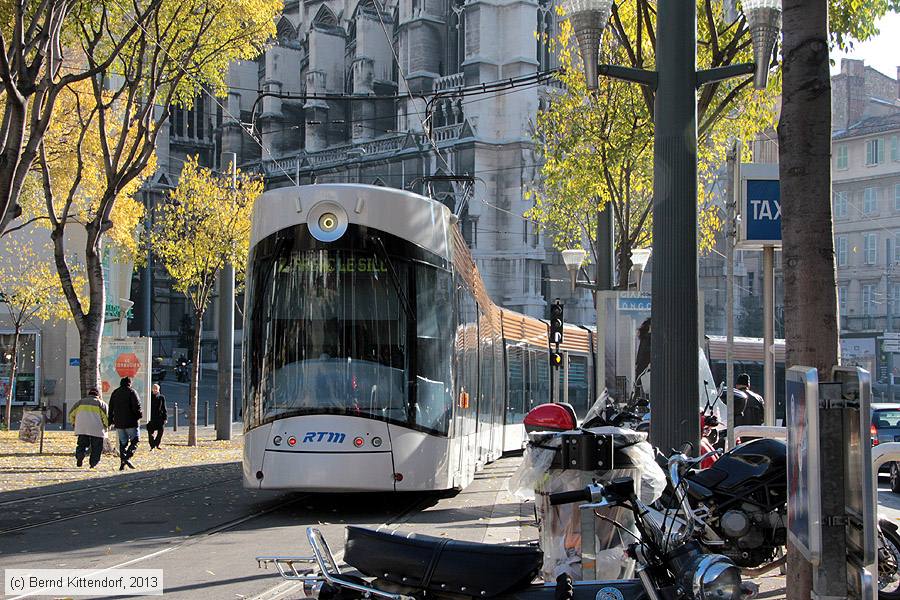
(716, 578)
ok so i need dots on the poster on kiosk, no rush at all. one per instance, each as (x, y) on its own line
(804, 476)
(129, 357)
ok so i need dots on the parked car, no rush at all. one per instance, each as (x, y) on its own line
(158, 370)
(885, 427)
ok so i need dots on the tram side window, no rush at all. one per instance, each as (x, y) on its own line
(539, 392)
(579, 397)
(515, 359)
(434, 340)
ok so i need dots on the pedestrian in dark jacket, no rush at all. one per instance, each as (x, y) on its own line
(89, 415)
(125, 413)
(158, 417)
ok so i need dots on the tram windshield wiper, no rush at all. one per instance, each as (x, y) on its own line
(410, 313)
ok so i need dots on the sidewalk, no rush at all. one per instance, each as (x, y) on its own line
(486, 512)
(23, 468)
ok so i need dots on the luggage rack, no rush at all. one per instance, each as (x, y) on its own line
(328, 571)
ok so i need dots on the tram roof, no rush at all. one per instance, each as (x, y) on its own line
(409, 216)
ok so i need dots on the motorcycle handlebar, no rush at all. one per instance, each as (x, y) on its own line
(570, 497)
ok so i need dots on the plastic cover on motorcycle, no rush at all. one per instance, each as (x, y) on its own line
(600, 552)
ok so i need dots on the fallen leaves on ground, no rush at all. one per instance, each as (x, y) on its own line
(22, 467)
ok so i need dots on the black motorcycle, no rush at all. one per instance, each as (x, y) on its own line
(742, 502)
(182, 369)
(671, 564)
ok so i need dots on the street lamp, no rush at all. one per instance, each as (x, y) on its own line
(573, 258)
(639, 259)
(675, 83)
(588, 19)
(764, 19)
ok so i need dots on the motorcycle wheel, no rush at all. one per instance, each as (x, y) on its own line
(888, 564)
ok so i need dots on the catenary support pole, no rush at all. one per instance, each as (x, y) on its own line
(734, 157)
(675, 403)
(603, 279)
(769, 332)
(224, 402)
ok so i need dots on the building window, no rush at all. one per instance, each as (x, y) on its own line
(840, 204)
(894, 298)
(868, 294)
(870, 200)
(544, 34)
(897, 196)
(874, 152)
(841, 246)
(457, 37)
(896, 253)
(750, 280)
(842, 299)
(841, 157)
(871, 247)
(895, 148)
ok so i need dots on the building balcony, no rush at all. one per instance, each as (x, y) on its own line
(449, 82)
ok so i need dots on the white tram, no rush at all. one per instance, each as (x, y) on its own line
(373, 358)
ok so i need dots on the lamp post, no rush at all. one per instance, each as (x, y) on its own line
(639, 259)
(675, 82)
(573, 259)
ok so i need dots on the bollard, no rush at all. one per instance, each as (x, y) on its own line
(206, 413)
(175, 424)
(65, 416)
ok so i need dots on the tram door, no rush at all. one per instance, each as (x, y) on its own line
(468, 412)
(485, 391)
(499, 398)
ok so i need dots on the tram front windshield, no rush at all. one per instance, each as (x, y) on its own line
(328, 329)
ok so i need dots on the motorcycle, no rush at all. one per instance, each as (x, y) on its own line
(671, 563)
(182, 370)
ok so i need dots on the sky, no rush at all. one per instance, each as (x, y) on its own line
(881, 52)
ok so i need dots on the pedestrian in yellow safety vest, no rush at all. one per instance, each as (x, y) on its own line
(90, 415)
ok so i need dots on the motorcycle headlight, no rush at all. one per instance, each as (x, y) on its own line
(716, 578)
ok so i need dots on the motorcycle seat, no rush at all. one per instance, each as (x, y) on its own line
(441, 564)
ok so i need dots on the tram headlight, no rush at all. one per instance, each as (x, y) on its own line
(716, 578)
(327, 221)
(292, 441)
(376, 441)
(358, 442)
(276, 440)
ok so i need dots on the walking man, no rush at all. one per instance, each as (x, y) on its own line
(158, 417)
(90, 415)
(753, 412)
(124, 413)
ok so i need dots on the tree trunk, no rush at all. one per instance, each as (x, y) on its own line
(623, 262)
(804, 140)
(10, 390)
(91, 329)
(195, 379)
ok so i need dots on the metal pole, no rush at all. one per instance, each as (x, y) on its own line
(175, 423)
(769, 332)
(734, 156)
(565, 390)
(147, 279)
(675, 401)
(603, 279)
(226, 336)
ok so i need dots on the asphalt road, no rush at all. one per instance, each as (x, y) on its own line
(198, 524)
(177, 392)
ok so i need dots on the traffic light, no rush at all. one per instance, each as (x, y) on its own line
(556, 359)
(556, 322)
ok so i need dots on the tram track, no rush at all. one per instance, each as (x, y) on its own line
(143, 500)
(159, 474)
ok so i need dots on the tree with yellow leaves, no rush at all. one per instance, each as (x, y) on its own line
(597, 146)
(182, 49)
(29, 290)
(204, 226)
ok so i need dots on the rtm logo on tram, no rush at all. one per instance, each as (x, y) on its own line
(334, 437)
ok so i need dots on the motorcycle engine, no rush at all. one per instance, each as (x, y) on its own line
(750, 537)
